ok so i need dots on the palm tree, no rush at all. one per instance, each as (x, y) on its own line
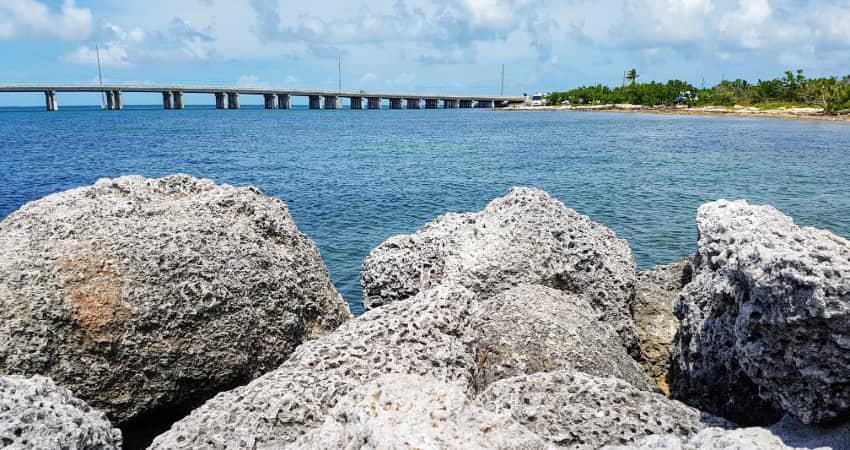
(632, 76)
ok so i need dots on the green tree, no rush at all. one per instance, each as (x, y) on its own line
(632, 76)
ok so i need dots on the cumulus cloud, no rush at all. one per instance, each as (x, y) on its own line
(180, 41)
(33, 19)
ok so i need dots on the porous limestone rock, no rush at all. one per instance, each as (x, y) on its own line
(35, 413)
(767, 315)
(525, 237)
(419, 336)
(141, 294)
(533, 328)
(711, 439)
(655, 322)
(579, 411)
(411, 411)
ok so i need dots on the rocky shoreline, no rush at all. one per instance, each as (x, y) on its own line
(523, 326)
(718, 111)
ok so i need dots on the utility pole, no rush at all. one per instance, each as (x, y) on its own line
(339, 71)
(624, 79)
(502, 90)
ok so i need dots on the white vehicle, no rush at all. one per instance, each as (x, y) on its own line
(538, 99)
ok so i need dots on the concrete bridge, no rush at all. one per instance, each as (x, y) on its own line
(228, 97)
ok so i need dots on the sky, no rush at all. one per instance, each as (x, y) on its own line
(416, 45)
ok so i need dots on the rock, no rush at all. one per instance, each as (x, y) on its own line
(532, 328)
(411, 411)
(796, 434)
(37, 414)
(142, 295)
(580, 411)
(766, 320)
(655, 322)
(711, 439)
(419, 336)
(525, 237)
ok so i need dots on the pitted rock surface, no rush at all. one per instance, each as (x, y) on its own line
(767, 314)
(712, 439)
(655, 322)
(533, 328)
(419, 336)
(579, 411)
(411, 411)
(139, 294)
(35, 413)
(525, 237)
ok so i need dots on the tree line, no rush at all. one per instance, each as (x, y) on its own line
(793, 89)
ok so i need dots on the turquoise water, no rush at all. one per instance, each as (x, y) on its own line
(355, 178)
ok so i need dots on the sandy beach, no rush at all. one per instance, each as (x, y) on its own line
(789, 113)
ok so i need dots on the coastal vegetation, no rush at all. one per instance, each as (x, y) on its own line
(793, 89)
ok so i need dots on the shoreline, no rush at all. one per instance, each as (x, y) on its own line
(701, 111)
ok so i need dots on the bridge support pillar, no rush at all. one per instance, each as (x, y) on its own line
(232, 100)
(284, 101)
(356, 102)
(166, 100)
(219, 101)
(110, 100)
(450, 104)
(50, 101)
(178, 99)
(117, 101)
(316, 102)
(414, 103)
(484, 104)
(465, 103)
(373, 102)
(331, 102)
(431, 103)
(396, 103)
(268, 101)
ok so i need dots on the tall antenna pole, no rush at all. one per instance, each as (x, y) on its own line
(339, 71)
(99, 75)
(502, 90)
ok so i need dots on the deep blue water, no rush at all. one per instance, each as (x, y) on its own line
(355, 178)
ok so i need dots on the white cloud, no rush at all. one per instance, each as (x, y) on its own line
(33, 19)
(113, 54)
(367, 77)
(746, 24)
(250, 81)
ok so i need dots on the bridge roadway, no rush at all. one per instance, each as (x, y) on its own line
(274, 98)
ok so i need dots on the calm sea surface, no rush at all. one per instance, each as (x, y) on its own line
(355, 178)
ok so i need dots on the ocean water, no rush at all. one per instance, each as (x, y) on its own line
(354, 178)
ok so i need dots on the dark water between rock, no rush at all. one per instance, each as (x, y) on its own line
(354, 178)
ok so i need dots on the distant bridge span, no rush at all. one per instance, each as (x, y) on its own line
(275, 98)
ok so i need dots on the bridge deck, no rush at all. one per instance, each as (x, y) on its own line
(188, 89)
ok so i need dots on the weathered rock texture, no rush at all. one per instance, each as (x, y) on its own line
(655, 322)
(580, 411)
(524, 237)
(768, 313)
(411, 411)
(144, 293)
(37, 414)
(419, 336)
(533, 328)
(711, 439)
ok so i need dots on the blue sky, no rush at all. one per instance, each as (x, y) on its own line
(416, 45)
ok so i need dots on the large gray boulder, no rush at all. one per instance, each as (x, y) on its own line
(37, 414)
(411, 411)
(526, 237)
(711, 439)
(766, 320)
(419, 336)
(142, 295)
(532, 328)
(579, 411)
(656, 325)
